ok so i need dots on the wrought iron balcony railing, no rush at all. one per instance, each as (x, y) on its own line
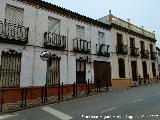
(121, 49)
(153, 55)
(144, 53)
(54, 41)
(102, 50)
(134, 51)
(81, 46)
(12, 33)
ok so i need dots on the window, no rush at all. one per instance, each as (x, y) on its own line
(53, 74)
(14, 15)
(80, 32)
(80, 71)
(10, 69)
(101, 38)
(151, 47)
(144, 66)
(142, 45)
(119, 38)
(132, 42)
(153, 69)
(121, 68)
(53, 25)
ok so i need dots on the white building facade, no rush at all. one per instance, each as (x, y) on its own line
(77, 44)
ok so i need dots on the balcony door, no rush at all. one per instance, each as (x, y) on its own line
(54, 25)
(151, 48)
(80, 32)
(153, 69)
(132, 42)
(142, 45)
(144, 66)
(119, 39)
(121, 63)
(134, 70)
(14, 15)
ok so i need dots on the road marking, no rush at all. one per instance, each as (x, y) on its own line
(135, 101)
(56, 113)
(7, 116)
(113, 108)
(157, 94)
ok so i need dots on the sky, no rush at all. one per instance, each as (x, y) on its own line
(140, 12)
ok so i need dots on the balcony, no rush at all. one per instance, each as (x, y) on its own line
(102, 50)
(81, 46)
(134, 51)
(144, 53)
(121, 49)
(11, 33)
(153, 55)
(54, 41)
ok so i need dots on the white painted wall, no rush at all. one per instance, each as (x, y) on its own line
(33, 69)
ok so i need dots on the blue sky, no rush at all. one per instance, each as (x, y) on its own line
(141, 12)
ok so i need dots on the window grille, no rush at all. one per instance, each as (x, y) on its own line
(10, 69)
(14, 15)
(53, 71)
(81, 71)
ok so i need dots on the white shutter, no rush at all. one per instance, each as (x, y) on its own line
(53, 25)
(80, 32)
(14, 15)
(101, 38)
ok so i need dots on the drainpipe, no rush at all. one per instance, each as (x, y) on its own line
(129, 66)
(67, 48)
(91, 55)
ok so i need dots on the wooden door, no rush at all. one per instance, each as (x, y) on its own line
(102, 73)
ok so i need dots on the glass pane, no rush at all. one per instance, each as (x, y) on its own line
(101, 38)
(80, 32)
(14, 15)
(53, 25)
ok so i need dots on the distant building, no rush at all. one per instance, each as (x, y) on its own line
(158, 59)
(133, 51)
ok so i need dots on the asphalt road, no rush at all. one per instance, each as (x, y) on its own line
(138, 103)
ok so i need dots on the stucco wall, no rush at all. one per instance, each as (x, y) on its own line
(128, 58)
(33, 69)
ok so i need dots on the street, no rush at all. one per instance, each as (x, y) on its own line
(137, 103)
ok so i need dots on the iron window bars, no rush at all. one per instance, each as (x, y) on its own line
(134, 51)
(102, 50)
(121, 49)
(12, 33)
(10, 69)
(144, 53)
(81, 46)
(55, 41)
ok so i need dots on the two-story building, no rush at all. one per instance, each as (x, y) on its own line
(158, 60)
(133, 51)
(79, 46)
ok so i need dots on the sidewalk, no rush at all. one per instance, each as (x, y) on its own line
(21, 105)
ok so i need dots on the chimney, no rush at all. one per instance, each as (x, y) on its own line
(142, 29)
(154, 32)
(110, 16)
(129, 24)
